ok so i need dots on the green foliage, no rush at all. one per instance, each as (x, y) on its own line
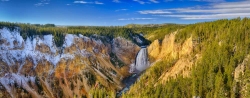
(101, 93)
(223, 45)
(145, 87)
(29, 30)
(91, 78)
(153, 32)
(115, 60)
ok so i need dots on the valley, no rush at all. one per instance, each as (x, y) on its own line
(201, 60)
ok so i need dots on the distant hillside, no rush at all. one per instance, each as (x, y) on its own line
(28, 30)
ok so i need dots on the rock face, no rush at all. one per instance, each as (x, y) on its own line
(239, 73)
(240, 69)
(154, 50)
(36, 67)
(122, 48)
(168, 49)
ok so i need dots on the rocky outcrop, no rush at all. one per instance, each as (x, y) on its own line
(154, 50)
(240, 69)
(36, 67)
(124, 50)
(241, 77)
(169, 49)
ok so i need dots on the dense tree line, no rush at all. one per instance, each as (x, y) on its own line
(28, 30)
(154, 31)
(223, 45)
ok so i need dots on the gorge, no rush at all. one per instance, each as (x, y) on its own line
(36, 67)
(206, 60)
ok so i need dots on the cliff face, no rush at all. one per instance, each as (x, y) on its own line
(168, 49)
(37, 67)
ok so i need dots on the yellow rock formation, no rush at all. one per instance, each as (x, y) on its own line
(169, 49)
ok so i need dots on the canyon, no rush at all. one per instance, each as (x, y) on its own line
(197, 60)
(36, 67)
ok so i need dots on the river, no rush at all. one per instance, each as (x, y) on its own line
(141, 64)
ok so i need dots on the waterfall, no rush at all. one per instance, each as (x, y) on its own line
(141, 62)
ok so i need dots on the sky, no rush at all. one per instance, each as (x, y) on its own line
(120, 12)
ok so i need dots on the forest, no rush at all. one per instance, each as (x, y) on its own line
(223, 45)
(28, 30)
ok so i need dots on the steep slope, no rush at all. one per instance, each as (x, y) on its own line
(202, 60)
(36, 67)
(169, 49)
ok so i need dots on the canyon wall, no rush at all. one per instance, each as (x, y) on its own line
(168, 49)
(36, 67)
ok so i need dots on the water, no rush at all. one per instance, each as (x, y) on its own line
(140, 65)
(142, 62)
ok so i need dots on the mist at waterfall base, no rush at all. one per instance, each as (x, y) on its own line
(141, 64)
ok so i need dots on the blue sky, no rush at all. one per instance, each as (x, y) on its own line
(120, 12)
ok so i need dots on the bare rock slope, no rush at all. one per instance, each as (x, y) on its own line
(36, 67)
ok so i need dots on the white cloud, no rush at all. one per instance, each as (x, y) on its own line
(222, 10)
(140, 1)
(209, 0)
(116, 1)
(96, 2)
(213, 10)
(82, 2)
(45, 0)
(233, 4)
(210, 16)
(154, 1)
(136, 18)
(154, 12)
(147, 1)
(42, 3)
(121, 10)
(39, 4)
